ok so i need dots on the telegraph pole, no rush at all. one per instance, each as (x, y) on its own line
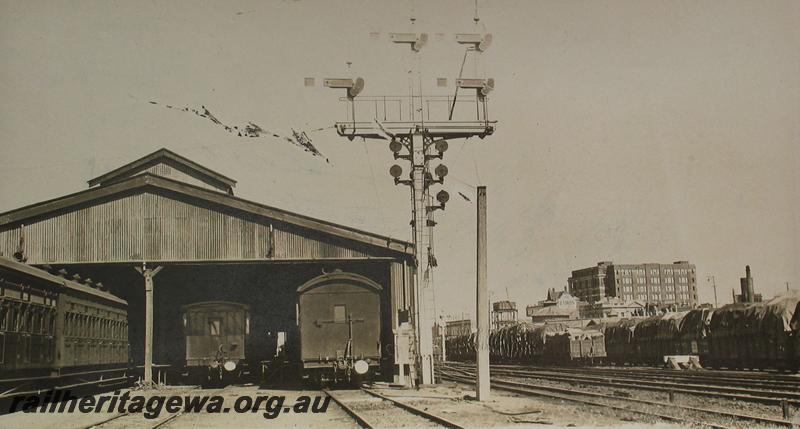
(714, 284)
(419, 136)
(482, 387)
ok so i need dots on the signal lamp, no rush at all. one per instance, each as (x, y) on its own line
(441, 170)
(441, 146)
(442, 197)
(395, 171)
(395, 146)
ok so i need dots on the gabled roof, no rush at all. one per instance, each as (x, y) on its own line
(169, 157)
(148, 181)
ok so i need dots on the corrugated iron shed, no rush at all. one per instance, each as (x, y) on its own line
(151, 218)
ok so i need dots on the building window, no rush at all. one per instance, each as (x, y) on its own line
(655, 280)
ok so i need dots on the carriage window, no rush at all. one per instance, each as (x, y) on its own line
(214, 326)
(339, 314)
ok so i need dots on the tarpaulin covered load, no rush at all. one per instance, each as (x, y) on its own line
(755, 335)
(795, 335)
(794, 325)
(773, 341)
(461, 348)
(518, 342)
(670, 324)
(656, 336)
(724, 319)
(779, 312)
(619, 340)
(696, 323)
(694, 332)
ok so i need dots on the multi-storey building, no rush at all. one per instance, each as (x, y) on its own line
(649, 283)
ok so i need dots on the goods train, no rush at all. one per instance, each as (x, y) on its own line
(52, 328)
(736, 336)
(216, 334)
(340, 328)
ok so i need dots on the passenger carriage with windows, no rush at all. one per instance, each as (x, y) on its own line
(53, 329)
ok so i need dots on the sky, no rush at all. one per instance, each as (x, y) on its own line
(629, 131)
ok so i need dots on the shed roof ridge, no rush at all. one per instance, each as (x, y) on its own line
(166, 154)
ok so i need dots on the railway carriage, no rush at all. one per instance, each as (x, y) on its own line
(53, 327)
(339, 316)
(216, 333)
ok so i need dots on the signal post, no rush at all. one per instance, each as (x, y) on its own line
(419, 135)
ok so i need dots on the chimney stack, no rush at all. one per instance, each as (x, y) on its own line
(746, 283)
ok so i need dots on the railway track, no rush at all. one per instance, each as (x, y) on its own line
(663, 382)
(371, 409)
(728, 378)
(681, 414)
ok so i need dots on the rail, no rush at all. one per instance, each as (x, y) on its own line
(466, 376)
(365, 423)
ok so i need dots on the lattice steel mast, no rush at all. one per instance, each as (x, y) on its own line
(420, 140)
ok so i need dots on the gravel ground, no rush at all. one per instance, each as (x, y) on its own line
(455, 402)
(449, 400)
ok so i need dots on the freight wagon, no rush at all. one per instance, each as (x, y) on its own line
(339, 316)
